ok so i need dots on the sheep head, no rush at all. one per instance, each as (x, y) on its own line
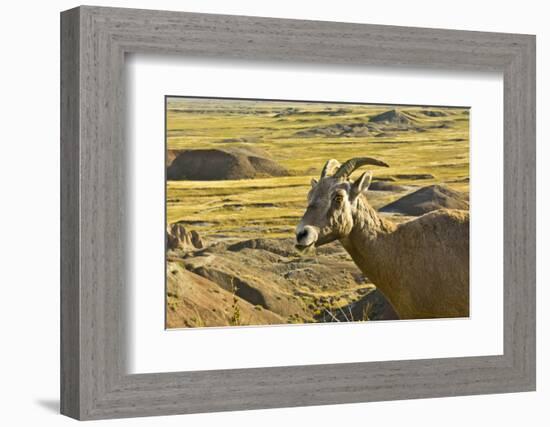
(331, 202)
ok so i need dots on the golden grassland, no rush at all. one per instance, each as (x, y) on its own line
(434, 142)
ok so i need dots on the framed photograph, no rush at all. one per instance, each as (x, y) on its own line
(246, 213)
(262, 213)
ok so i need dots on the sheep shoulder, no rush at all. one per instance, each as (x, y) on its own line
(444, 222)
(443, 234)
(433, 261)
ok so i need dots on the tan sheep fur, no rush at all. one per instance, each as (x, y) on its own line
(421, 266)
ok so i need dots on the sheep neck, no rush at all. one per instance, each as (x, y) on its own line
(369, 244)
(367, 224)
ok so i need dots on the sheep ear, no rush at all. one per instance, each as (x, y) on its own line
(313, 182)
(360, 185)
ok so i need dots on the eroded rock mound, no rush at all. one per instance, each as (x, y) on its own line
(385, 186)
(434, 113)
(170, 156)
(393, 117)
(177, 237)
(222, 164)
(195, 301)
(415, 176)
(337, 130)
(292, 111)
(428, 199)
(271, 283)
(373, 306)
(279, 247)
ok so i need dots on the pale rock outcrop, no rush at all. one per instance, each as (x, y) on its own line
(177, 237)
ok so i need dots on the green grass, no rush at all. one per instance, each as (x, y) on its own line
(271, 207)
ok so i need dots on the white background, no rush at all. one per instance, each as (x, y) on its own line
(29, 225)
(153, 349)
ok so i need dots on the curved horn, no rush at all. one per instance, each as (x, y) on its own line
(349, 166)
(330, 167)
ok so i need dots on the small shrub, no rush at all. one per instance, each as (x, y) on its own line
(235, 319)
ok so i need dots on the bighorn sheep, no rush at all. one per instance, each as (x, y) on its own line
(421, 266)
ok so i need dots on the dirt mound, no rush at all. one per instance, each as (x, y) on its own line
(170, 156)
(393, 117)
(415, 176)
(337, 130)
(434, 113)
(245, 273)
(428, 199)
(385, 186)
(443, 126)
(194, 301)
(218, 164)
(265, 166)
(268, 276)
(461, 180)
(373, 306)
(178, 238)
(288, 112)
(279, 247)
(245, 139)
(292, 111)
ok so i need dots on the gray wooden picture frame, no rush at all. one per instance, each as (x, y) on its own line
(94, 381)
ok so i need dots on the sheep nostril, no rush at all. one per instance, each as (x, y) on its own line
(301, 235)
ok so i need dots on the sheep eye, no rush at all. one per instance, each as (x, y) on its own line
(338, 198)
